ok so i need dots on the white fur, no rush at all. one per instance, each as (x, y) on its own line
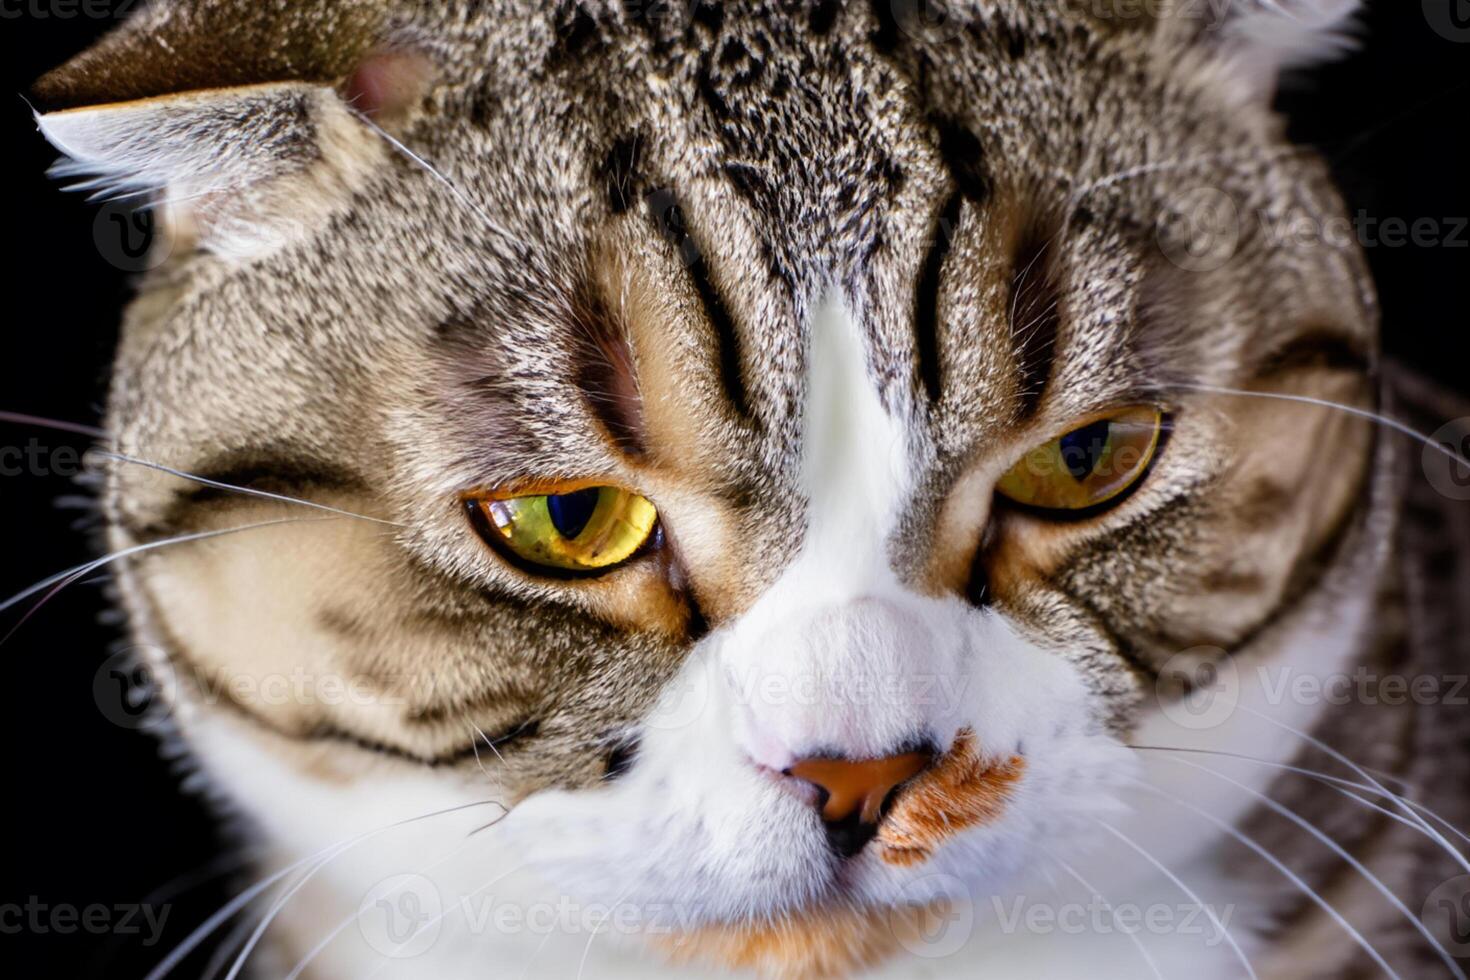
(210, 177)
(1282, 34)
(697, 832)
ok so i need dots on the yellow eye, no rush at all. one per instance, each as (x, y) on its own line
(1090, 465)
(586, 530)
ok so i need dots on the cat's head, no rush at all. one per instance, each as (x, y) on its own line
(785, 432)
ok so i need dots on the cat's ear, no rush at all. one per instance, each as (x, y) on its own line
(1252, 42)
(244, 131)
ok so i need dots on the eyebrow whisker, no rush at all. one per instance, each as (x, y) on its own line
(1363, 413)
(61, 580)
(249, 491)
(20, 418)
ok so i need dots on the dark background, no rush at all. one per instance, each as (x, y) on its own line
(95, 813)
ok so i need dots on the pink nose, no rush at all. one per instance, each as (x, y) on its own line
(859, 788)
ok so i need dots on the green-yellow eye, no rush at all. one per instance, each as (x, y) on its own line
(1089, 466)
(587, 530)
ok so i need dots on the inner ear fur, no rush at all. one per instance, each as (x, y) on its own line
(242, 125)
(1246, 45)
(234, 171)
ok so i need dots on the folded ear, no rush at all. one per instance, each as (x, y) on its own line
(239, 120)
(1254, 41)
(235, 171)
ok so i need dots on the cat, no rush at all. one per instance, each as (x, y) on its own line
(802, 488)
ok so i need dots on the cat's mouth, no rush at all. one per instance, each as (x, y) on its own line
(931, 800)
(962, 790)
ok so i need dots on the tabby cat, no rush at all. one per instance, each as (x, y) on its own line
(803, 488)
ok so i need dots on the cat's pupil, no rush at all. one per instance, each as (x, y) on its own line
(1082, 449)
(570, 512)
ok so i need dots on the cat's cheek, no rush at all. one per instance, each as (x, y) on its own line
(641, 598)
(694, 822)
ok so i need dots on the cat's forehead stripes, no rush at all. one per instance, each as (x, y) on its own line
(706, 205)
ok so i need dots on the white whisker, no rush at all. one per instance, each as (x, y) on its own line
(1108, 906)
(62, 579)
(587, 950)
(275, 909)
(1286, 872)
(429, 168)
(84, 430)
(1378, 417)
(444, 914)
(248, 491)
(205, 929)
(1342, 853)
(1190, 892)
(1336, 782)
(326, 941)
(1408, 811)
(224, 950)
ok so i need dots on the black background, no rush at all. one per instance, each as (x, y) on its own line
(95, 814)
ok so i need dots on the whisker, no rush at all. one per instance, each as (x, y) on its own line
(1387, 777)
(1408, 811)
(181, 884)
(475, 745)
(1108, 906)
(535, 955)
(491, 745)
(248, 491)
(1190, 892)
(207, 928)
(275, 910)
(1378, 417)
(1290, 875)
(444, 913)
(336, 931)
(62, 579)
(1164, 166)
(20, 418)
(1342, 853)
(224, 951)
(587, 950)
(1385, 811)
(1336, 782)
(453, 188)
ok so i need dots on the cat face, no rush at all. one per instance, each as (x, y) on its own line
(835, 330)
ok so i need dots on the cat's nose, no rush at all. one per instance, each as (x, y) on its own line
(854, 793)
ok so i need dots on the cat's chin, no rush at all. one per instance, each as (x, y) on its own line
(820, 942)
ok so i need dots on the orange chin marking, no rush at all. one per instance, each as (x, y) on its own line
(810, 945)
(961, 791)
